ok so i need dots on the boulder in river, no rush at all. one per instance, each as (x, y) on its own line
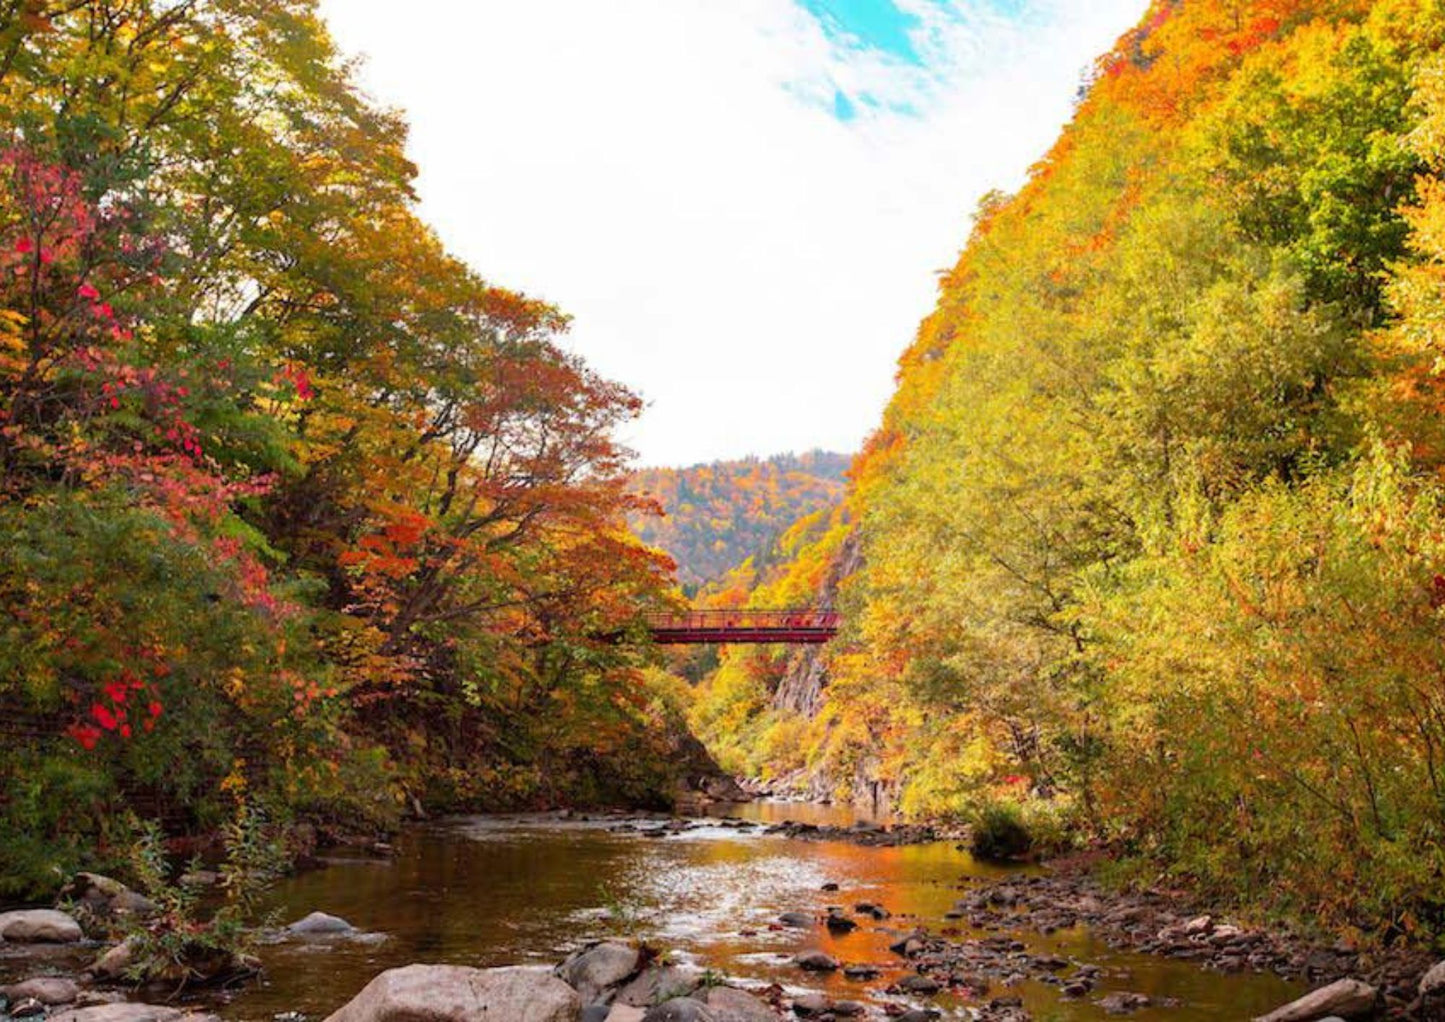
(319, 924)
(915, 983)
(868, 908)
(39, 925)
(816, 961)
(599, 967)
(658, 983)
(812, 1005)
(680, 1009)
(106, 898)
(49, 990)
(1346, 998)
(455, 993)
(729, 1004)
(131, 1012)
(115, 962)
(1124, 1003)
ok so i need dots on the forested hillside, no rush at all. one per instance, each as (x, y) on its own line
(296, 510)
(1152, 535)
(718, 515)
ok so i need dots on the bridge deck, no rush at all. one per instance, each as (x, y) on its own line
(807, 626)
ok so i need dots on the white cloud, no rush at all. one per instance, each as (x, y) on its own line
(669, 172)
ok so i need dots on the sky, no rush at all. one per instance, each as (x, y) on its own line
(743, 204)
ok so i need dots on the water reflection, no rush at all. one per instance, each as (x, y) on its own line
(492, 891)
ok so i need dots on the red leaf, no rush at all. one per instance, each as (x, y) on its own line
(86, 735)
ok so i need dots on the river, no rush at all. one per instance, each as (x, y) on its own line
(488, 891)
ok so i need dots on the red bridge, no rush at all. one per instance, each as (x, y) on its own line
(752, 626)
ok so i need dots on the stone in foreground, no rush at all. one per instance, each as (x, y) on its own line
(1432, 984)
(729, 1004)
(680, 1009)
(455, 993)
(658, 983)
(599, 968)
(39, 925)
(1346, 998)
(130, 1012)
(50, 990)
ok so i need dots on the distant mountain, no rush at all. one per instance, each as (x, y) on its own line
(719, 514)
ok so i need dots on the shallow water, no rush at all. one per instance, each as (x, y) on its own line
(488, 891)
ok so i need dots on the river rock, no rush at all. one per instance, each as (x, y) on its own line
(455, 993)
(131, 1012)
(105, 897)
(812, 1005)
(1432, 984)
(1347, 998)
(39, 925)
(319, 924)
(816, 961)
(680, 1009)
(798, 920)
(918, 984)
(50, 990)
(659, 983)
(1123, 1003)
(624, 1013)
(114, 963)
(91, 998)
(599, 968)
(729, 1004)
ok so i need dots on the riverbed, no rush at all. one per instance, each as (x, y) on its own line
(488, 891)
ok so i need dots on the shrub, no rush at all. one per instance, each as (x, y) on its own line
(999, 831)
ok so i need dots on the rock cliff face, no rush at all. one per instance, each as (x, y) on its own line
(801, 690)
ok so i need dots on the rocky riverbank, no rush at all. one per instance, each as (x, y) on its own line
(861, 833)
(997, 948)
(1004, 917)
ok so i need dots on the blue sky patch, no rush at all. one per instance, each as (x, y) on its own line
(868, 24)
(904, 37)
(909, 42)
